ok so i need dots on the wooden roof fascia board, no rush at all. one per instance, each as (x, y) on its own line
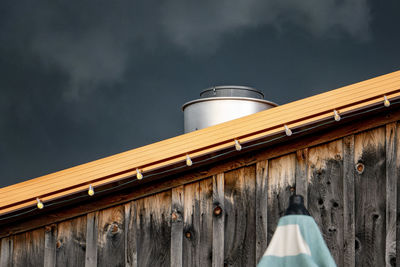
(144, 161)
(322, 117)
(225, 126)
(116, 167)
(150, 149)
(110, 180)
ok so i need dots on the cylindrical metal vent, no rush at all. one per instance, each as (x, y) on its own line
(223, 103)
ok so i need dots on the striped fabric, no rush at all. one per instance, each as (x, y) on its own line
(297, 242)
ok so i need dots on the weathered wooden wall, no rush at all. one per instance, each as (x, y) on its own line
(350, 186)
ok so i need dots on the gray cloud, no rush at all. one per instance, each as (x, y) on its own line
(202, 27)
(91, 44)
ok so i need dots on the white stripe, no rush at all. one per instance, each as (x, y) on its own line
(287, 241)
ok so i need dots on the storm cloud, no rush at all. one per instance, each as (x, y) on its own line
(83, 80)
(91, 42)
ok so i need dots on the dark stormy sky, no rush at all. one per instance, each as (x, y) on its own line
(80, 80)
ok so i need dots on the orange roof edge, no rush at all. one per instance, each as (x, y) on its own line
(206, 140)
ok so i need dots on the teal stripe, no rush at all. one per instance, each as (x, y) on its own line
(295, 261)
(320, 254)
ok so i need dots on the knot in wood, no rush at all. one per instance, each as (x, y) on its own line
(292, 189)
(47, 229)
(338, 157)
(360, 168)
(188, 235)
(58, 244)
(176, 216)
(217, 210)
(114, 228)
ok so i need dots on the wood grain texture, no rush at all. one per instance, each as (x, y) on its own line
(191, 225)
(154, 230)
(240, 225)
(177, 226)
(370, 197)
(111, 237)
(301, 174)
(130, 234)
(261, 208)
(392, 176)
(348, 202)
(71, 242)
(281, 182)
(205, 224)
(198, 174)
(50, 241)
(325, 194)
(91, 239)
(29, 248)
(6, 252)
(218, 220)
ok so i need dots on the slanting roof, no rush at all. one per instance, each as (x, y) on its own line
(209, 140)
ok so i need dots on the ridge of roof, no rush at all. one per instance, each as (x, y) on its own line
(211, 139)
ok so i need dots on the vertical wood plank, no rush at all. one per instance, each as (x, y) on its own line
(325, 194)
(206, 211)
(29, 248)
(6, 252)
(177, 226)
(154, 230)
(392, 174)
(50, 240)
(301, 174)
(130, 235)
(71, 242)
(240, 223)
(348, 202)
(370, 197)
(261, 208)
(91, 239)
(218, 220)
(111, 237)
(191, 221)
(281, 180)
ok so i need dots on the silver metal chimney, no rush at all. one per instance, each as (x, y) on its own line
(223, 103)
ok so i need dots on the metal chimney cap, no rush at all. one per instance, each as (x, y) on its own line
(232, 91)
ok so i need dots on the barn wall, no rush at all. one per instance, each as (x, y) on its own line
(350, 186)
